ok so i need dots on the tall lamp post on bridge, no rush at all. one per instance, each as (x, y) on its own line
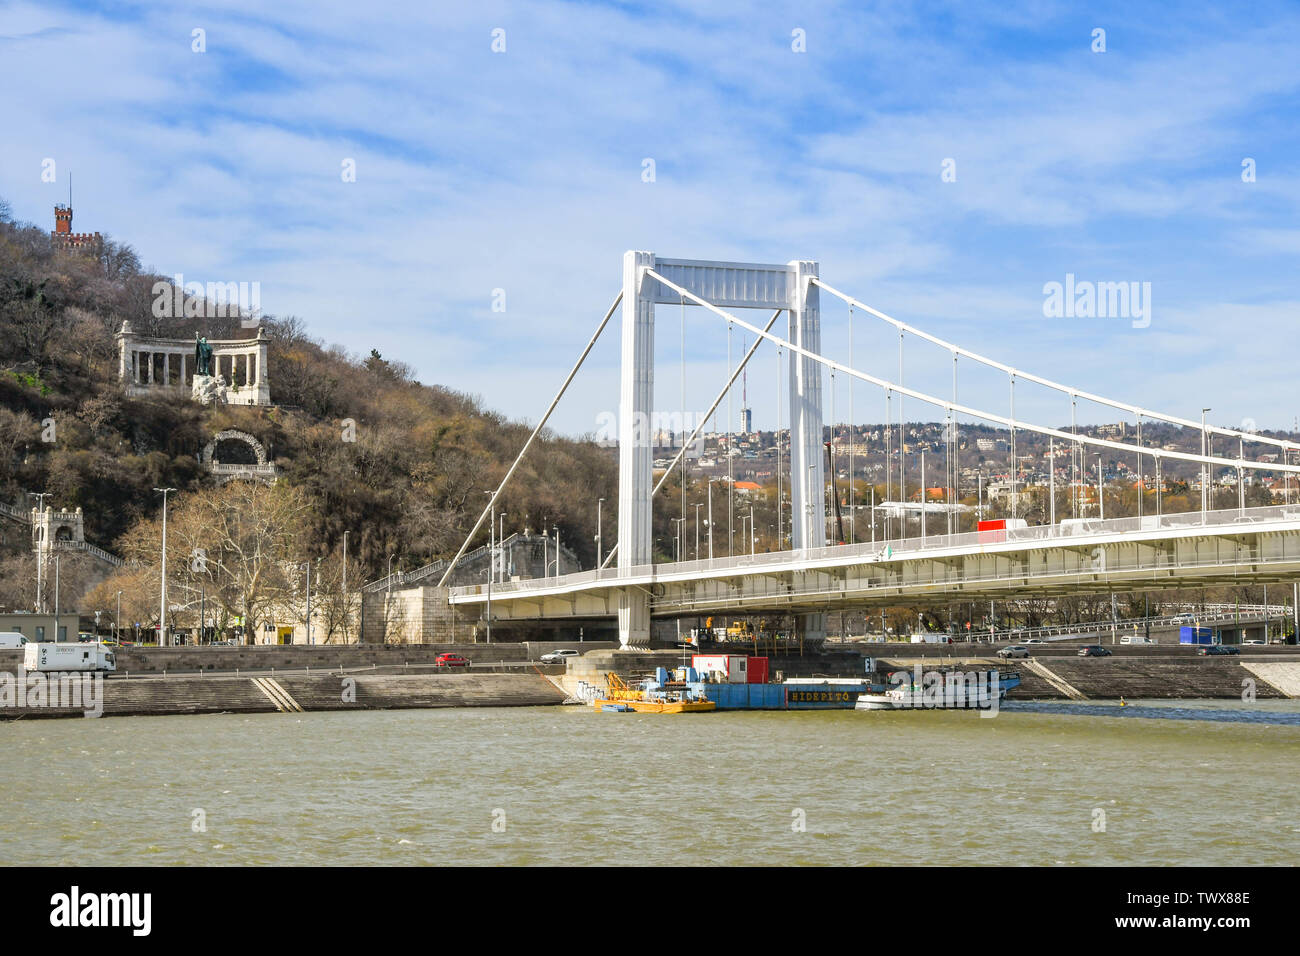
(1205, 468)
(600, 557)
(162, 595)
(698, 506)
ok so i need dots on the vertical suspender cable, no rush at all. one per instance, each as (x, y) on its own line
(776, 436)
(889, 453)
(902, 442)
(1015, 471)
(956, 443)
(686, 461)
(853, 515)
(731, 447)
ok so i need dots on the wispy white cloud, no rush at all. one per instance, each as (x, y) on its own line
(522, 171)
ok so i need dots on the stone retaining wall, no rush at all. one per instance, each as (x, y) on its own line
(156, 660)
(213, 695)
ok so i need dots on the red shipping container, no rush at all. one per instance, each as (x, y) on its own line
(757, 670)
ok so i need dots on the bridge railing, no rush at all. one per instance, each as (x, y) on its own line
(899, 549)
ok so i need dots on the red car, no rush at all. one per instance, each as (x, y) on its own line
(450, 660)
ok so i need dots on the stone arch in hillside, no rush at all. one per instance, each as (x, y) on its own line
(247, 447)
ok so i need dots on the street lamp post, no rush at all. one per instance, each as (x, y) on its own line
(162, 591)
(600, 557)
(710, 519)
(346, 608)
(1101, 502)
(40, 497)
(117, 625)
(501, 545)
(307, 567)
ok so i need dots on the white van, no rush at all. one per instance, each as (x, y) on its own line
(11, 639)
(1137, 639)
(68, 657)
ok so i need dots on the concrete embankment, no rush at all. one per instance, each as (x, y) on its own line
(299, 692)
(173, 660)
(1110, 678)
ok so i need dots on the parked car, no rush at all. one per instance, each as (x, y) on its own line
(450, 660)
(1254, 641)
(1014, 650)
(556, 656)
(1035, 640)
(1215, 650)
(1093, 650)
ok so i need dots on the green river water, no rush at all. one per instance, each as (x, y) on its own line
(1171, 783)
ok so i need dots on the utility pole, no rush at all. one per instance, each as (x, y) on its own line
(162, 595)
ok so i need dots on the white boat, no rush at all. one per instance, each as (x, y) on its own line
(940, 690)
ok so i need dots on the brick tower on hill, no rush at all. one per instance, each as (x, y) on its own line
(65, 238)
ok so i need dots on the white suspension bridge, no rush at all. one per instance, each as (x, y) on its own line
(1239, 546)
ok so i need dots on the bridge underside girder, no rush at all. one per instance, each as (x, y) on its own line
(1051, 571)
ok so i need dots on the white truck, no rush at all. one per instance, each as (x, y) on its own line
(930, 637)
(11, 640)
(50, 656)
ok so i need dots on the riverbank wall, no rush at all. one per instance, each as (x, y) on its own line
(297, 693)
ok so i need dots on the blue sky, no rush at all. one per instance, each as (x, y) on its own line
(522, 171)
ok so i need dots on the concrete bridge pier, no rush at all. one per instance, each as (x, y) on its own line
(635, 462)
(807, 463)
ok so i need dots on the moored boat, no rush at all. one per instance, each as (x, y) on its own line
(942, 690)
